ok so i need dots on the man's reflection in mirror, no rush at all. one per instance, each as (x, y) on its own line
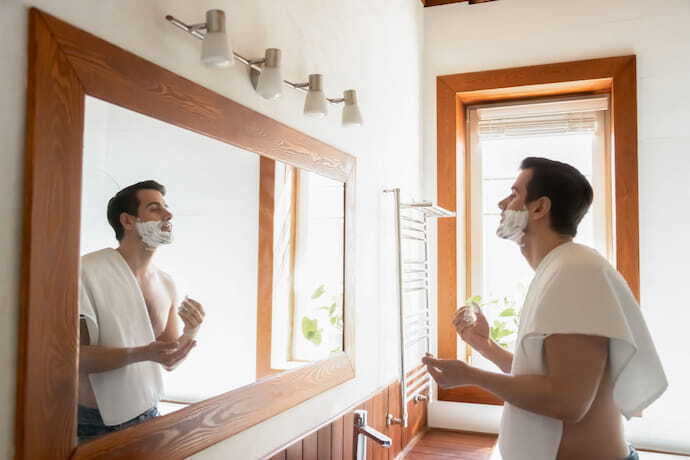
(128, 317)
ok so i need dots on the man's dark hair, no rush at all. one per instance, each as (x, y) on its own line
(126, 200)
(566, 187)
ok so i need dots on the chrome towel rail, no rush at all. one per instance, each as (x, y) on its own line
(413, 277)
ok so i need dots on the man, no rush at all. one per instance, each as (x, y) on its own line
(128, 310)
(583, 354)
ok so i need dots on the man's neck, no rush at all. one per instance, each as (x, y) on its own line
(137, 256)
(537, 247)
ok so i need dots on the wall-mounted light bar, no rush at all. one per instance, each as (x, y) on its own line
(265, 73)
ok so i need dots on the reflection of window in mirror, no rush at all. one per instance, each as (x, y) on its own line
(307, 319)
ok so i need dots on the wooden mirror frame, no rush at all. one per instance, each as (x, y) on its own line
(65, 65)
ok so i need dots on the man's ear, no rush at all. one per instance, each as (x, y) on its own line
(127, 221)
(541, 207)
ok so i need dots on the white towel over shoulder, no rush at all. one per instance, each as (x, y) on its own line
(576, 291)
(111, 303)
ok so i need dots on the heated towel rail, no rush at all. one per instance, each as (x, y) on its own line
(411, 229)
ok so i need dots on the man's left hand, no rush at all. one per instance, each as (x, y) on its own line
(192, 313)
(448, 373)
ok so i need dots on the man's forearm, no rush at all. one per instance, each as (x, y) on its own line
(497, 355)
(533, 393)
(95, 359)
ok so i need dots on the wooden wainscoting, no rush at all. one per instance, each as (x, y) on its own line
(335, 439)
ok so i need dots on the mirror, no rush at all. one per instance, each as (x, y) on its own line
(169, 308)
(82, 66)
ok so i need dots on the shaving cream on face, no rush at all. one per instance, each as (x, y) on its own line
(152, 233)
(513, 225)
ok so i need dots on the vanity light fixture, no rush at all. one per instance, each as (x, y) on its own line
(265, 74)
(315, 102)
(215, 50)
(351, 113)
(268, 81)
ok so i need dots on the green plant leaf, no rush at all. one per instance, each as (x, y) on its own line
(311, 331)
(318, 292)
(508, 312)
(475, 298)
(502, 333)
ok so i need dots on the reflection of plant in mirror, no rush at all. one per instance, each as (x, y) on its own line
(311, 331)
(506, 320)
(334, 315)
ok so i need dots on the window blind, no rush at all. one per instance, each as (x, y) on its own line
(540, 119)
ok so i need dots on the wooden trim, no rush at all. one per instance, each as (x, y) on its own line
(65, 65)
(264, 313)
(454, 92)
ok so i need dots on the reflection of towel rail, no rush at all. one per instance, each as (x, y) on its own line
(414, 326)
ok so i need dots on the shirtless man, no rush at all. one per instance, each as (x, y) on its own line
(141, 220)
(567, 411)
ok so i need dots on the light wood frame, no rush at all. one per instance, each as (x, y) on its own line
(65, 65)
(454, 93)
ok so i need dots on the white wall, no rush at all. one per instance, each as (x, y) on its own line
(374, 47)
(461, 38)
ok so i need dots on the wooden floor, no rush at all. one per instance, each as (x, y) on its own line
(449, 445)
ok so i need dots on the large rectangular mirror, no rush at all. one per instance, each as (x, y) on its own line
(195, 287)
(200, 278)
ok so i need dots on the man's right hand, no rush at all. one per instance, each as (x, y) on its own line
(475, 334)
(168, 354)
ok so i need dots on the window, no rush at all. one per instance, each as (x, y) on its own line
(501, 135)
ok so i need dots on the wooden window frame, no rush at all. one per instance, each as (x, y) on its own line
(615, 76)
(65, 65)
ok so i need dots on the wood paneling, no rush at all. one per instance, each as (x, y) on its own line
(65, 64)
(454, 92)
(338, 434)
(395, 431)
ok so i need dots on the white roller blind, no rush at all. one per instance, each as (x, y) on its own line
(539, 119)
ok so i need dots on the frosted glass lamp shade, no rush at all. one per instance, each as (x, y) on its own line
(215, 50)
(315, 104)
(351, 113)
(270, 84)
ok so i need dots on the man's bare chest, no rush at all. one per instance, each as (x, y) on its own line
(158, 302)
